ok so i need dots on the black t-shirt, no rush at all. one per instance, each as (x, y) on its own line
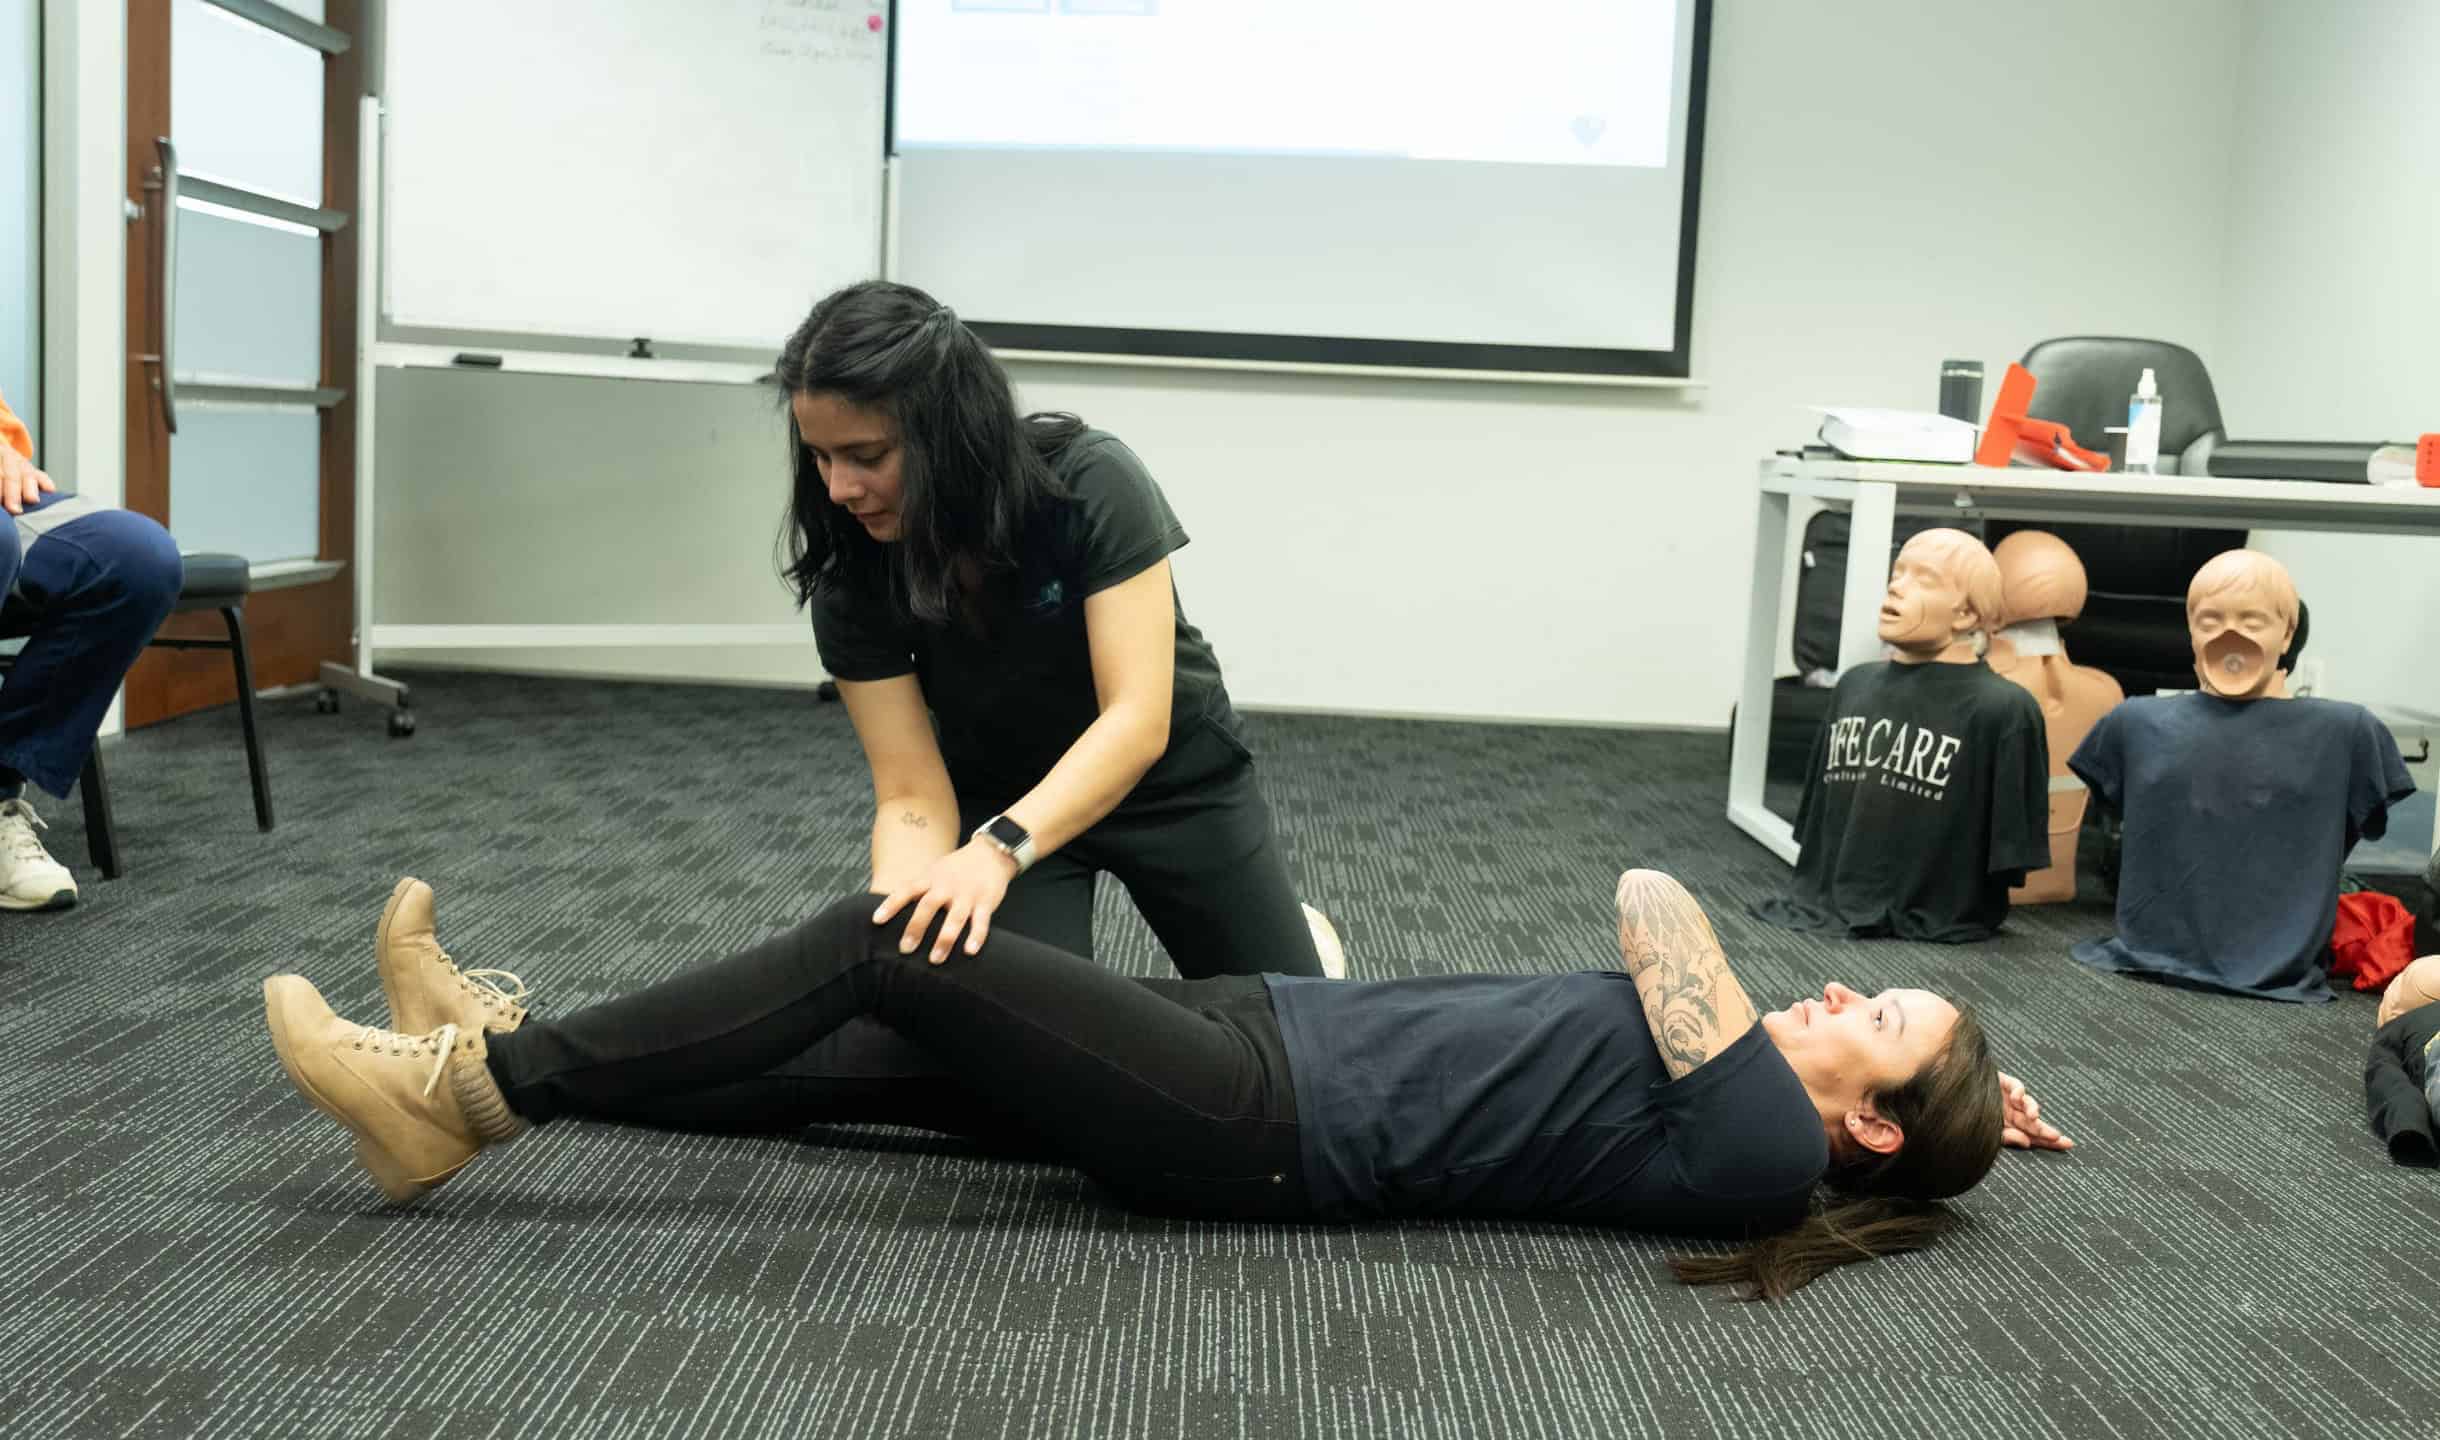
(1927, 797)
(1010, 696)
(2402, 1085)
(2239, 816)
(1537, 1095)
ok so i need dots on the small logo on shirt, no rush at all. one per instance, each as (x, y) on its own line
(1046, 598)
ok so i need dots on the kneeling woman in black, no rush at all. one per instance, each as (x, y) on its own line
(1653, 1098)
(991, 591)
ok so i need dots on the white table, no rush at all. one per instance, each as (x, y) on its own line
(1875, 491)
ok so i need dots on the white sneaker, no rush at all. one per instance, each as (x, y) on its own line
(1326, 943)
(29, 878)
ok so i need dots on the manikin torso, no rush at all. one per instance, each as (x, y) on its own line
(2043, 583)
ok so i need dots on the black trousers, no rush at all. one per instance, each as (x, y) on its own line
(1197, 853)
(1174, 1095)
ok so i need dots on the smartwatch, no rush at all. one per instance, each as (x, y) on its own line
(1009, 838)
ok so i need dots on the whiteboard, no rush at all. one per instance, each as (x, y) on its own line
(696, 173)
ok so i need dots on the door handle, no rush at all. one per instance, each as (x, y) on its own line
(164, 185)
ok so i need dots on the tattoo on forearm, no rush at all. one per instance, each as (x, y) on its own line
(911, 818)
(1694, 1005)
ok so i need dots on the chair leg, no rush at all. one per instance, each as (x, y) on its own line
(245, 716)
(101, 835)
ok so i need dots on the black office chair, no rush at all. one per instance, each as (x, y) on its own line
(212, 582)
(2134, 621)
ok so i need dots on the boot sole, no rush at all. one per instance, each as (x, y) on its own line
(399, 1184)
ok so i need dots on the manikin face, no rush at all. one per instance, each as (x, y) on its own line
(2238, 637)
(1925, 607)
(857, 452)
(1846, 1046)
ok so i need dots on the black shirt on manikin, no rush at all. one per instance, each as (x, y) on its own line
(1011, 697)
(1927, 798)
(1537, 1095)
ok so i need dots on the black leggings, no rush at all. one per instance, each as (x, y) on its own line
(1199, 857)
(1174, 1095)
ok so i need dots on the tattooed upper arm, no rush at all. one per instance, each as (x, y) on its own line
(1693, 1003)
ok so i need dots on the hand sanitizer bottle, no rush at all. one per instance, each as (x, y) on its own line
(2143, 427)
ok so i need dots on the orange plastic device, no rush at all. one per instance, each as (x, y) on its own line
(2427, 461)
(2043, 442)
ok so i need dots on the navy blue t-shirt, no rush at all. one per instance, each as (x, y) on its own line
(1537, 1095)
(2239, 816)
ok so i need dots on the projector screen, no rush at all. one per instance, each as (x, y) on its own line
(1380, 182)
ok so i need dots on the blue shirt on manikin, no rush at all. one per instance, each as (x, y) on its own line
(1541, 1096)
(2239, 816)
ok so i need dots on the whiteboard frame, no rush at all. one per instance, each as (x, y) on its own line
(544, 341)
(374, 354)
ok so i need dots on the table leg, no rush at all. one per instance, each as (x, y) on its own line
(1750, 748)
(1871, 526)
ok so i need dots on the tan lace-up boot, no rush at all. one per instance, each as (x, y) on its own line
(420, 1106)
(426, 990)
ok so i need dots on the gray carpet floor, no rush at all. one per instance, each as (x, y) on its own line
(189, 1250)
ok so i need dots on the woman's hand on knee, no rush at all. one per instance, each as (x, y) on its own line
(965, 886)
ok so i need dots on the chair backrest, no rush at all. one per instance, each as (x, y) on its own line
(2083, 381)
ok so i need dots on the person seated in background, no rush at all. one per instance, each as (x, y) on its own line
(2240, 803)
(1926, 797)
(85, 585)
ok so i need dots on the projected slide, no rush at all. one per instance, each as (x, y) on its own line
(1533, 82)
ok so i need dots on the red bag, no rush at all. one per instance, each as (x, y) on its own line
(2375, 938)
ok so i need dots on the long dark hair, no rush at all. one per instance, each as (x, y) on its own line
(1951, 1114)
(971, 471)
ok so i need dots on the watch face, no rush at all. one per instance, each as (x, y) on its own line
(1008, 832)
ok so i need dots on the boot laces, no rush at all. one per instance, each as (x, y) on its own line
(440, 1043)
(488, 987)
(18, 822)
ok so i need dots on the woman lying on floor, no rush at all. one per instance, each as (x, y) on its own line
(1253, 1097)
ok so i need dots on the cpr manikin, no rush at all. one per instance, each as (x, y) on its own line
(2240, 804)
(2241, 617)
(2042, 586)
(1944, 591)
(1924, 796)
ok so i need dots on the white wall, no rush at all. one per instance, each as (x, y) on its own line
(2332, 306)
(20, 207)
(1879, 193)
(83, 440)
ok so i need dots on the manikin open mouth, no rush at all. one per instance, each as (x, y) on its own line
(2233, 663)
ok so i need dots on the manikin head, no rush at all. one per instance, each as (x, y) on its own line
(2040, 578)
(2241, 617)
(2416, 986)
(1943, 590)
